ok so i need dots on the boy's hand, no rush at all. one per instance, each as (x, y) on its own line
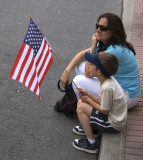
(82, 92)
(83, 95)
(84, 99)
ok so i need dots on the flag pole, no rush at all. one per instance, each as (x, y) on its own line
(64, 68)
(30, 16)
(59, 59)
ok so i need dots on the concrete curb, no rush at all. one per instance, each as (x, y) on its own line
(127, 16)
(113, 145)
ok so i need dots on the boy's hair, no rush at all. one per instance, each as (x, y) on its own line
(109, 61)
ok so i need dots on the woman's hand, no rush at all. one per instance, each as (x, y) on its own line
(65, 79)
(94, 42)
(93, 47)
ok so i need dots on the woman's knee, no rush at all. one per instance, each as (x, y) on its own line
(132, 102)
(78, 79)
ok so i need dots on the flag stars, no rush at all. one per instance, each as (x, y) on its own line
(33, 37)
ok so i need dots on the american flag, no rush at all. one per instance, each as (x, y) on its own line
(33, 60)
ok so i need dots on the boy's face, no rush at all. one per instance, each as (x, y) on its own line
(93, 70)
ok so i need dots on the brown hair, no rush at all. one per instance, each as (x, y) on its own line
(109, 61)
(118, 32)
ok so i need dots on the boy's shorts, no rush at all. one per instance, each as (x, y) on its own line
(99, 123)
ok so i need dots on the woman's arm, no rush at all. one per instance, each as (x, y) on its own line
(77, 60)
(93, 48)
(74, 62)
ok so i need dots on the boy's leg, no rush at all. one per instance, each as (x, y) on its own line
(87, 143)
(84, 112)
(101, 123)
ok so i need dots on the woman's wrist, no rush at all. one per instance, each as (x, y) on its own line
(66, 72)
(93, 47)
(92, 50)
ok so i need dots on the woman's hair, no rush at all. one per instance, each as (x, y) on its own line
(118, 32)
(109, 61)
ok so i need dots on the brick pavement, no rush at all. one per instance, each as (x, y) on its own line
(134, 131)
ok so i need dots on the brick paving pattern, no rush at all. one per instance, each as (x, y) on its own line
(134, 131)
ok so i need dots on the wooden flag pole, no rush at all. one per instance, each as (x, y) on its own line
(64, 68)
(30, 16)
(60, 61)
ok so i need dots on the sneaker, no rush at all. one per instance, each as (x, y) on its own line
(84, 145)
(80, 131)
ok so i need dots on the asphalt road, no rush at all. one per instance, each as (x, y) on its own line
(30, 130)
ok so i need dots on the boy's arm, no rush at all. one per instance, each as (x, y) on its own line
(82, 93)
(97, 106)
(91, 100)
(94, 98)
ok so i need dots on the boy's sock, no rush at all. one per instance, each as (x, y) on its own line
(91, 141)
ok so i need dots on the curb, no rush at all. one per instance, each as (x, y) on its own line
(127, 16)
(112, 146)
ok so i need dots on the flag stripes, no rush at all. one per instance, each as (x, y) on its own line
(31, 70)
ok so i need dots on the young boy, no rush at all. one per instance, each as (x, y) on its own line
(106, 113)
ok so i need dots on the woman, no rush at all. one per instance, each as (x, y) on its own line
(109, 37)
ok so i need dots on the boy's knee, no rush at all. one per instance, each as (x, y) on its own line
(79, 106)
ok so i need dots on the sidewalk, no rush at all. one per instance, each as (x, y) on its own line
(134, 131)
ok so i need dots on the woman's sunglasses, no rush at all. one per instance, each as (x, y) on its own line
(102, 28)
